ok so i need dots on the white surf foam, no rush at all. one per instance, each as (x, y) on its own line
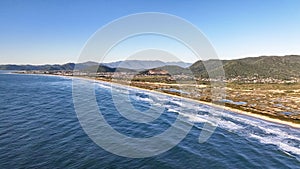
(263, 131)
(277, 141)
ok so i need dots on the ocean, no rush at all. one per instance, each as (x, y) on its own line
(39, 128)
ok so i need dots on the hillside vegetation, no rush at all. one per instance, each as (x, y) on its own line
(280, 67)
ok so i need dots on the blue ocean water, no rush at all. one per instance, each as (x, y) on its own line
(39, 129)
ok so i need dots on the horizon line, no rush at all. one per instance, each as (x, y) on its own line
(243, 57)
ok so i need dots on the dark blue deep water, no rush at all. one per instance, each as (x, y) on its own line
(40, 129)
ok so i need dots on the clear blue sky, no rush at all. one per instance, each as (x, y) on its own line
(54, 31)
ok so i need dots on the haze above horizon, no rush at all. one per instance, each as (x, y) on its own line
(50, 32)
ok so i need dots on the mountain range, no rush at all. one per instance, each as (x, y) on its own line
(128, 64)
(144, 64)
(280, 67)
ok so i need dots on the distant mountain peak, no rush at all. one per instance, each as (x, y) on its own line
(144, 64)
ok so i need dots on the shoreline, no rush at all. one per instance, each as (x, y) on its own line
(262, 117)
(222, 107)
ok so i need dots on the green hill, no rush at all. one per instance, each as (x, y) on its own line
(280, 67)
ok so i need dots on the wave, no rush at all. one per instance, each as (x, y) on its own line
(277, 141)
(245, 126)
(283, 137)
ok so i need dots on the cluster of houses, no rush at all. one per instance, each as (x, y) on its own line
(262, 80)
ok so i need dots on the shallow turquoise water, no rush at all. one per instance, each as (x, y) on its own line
(39, 129)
